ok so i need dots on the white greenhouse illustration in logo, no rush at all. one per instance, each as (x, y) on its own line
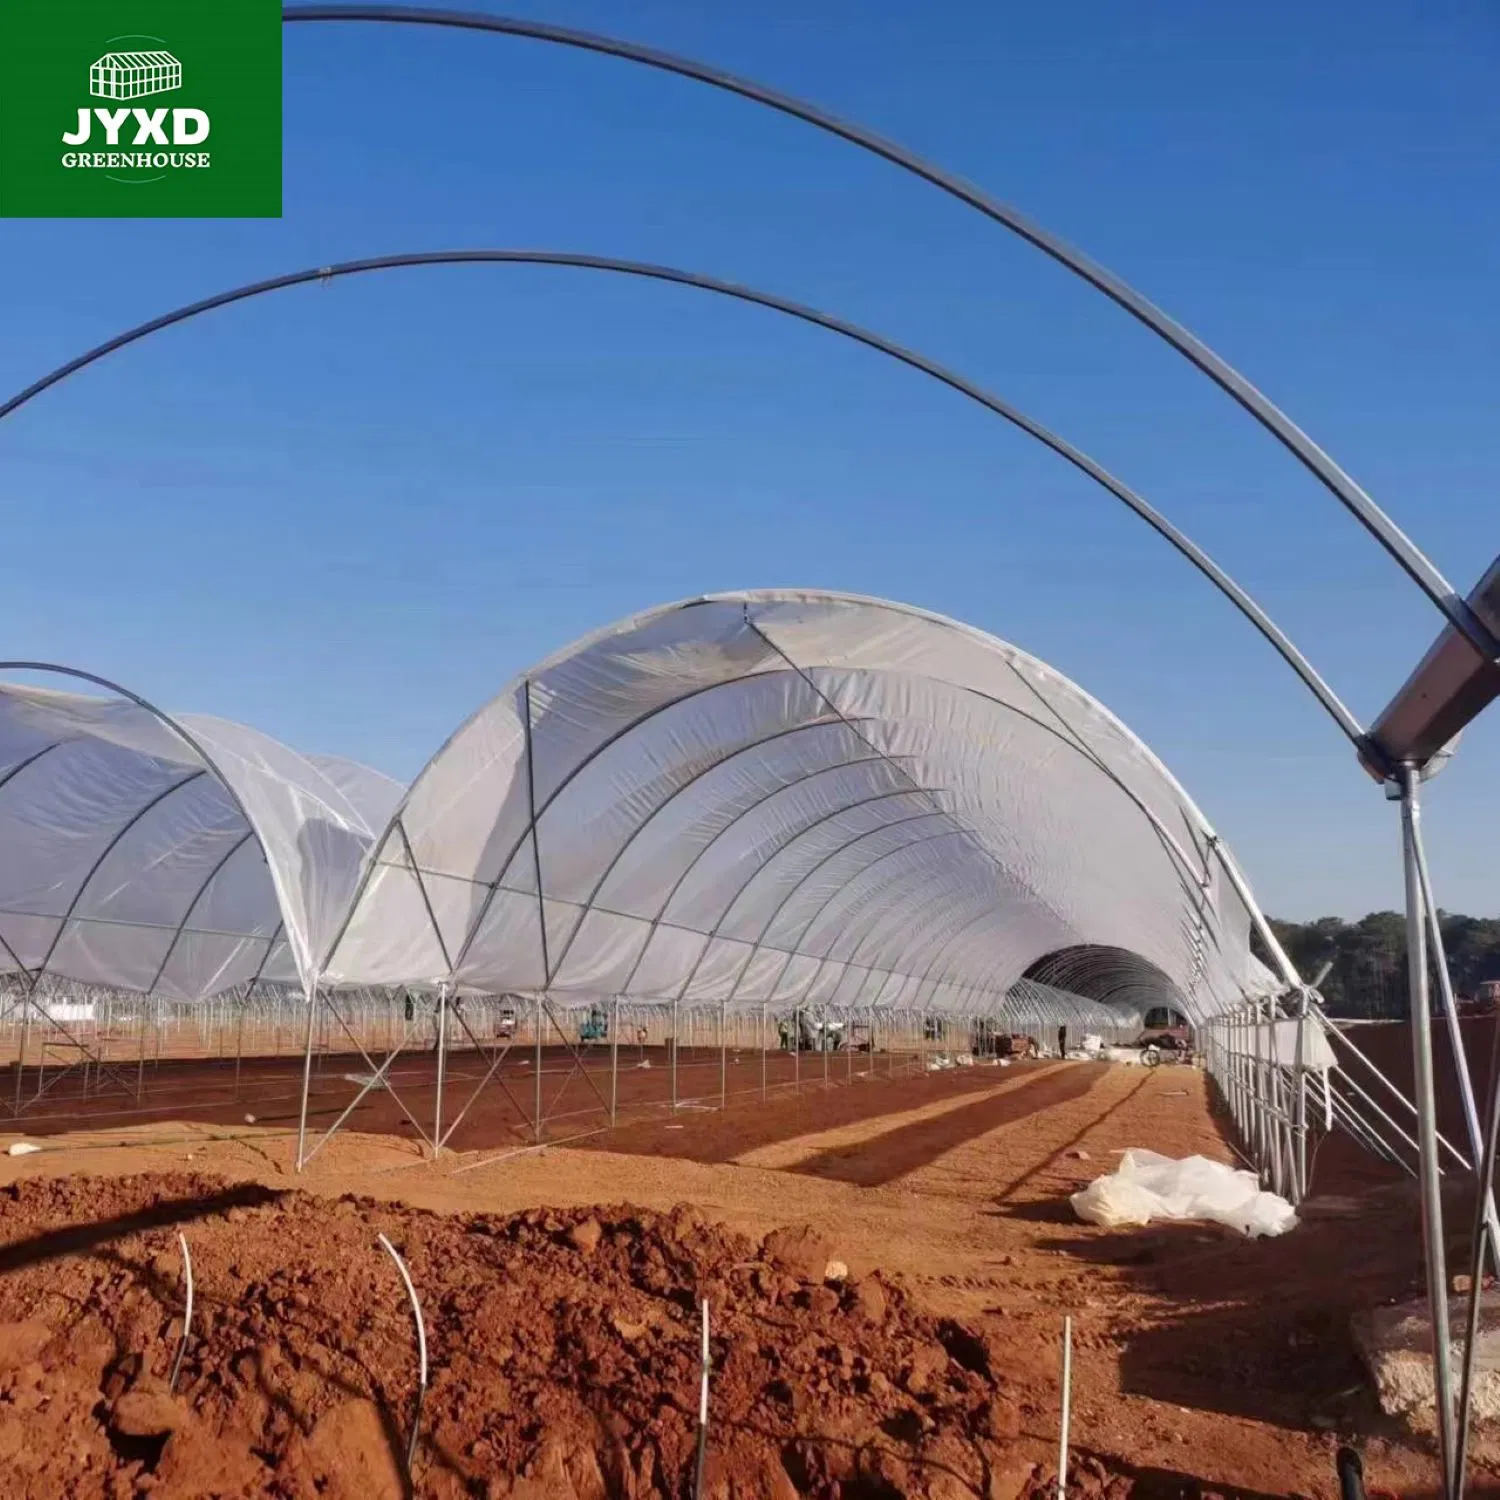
(133, 75)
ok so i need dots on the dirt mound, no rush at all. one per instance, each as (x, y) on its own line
(563, 1350)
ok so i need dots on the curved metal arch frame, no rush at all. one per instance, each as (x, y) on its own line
(182, 733)
(1178, 539)
(534, 821)
(659, 919)
(114, 841)
(945, 947)
(943, 890)
(1075, 742)
(760, 944)
(187, 916)
(536, 812)
(1321, 465)
(947, 941)
(806, 674)
(1125, 961)
(786, 732)
(783, 849)
(865, 897)
(716, 932)
(5, 779)
(940, 938)
(868, 910)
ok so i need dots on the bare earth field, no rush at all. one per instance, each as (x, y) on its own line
(560, 1285)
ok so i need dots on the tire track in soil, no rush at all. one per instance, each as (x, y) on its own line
(897, 1153)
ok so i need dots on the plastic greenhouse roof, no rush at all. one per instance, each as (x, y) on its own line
(793, 797)
(178, 857)
(771, 798)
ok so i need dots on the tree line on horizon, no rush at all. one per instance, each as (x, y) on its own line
(1368, 958)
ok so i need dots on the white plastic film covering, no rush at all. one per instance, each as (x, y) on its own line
(794, 798)
(180, 857)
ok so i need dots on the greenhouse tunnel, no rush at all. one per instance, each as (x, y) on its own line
(793, 798)
(1114, 977)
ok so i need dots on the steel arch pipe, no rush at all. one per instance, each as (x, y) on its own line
(1422, 571)
(1189, 549)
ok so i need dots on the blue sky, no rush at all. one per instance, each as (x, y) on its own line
(349, 514)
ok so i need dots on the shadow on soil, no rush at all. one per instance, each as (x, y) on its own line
(1268, 1337)
(719, 1136)
(77, 1239)
(896, 1153)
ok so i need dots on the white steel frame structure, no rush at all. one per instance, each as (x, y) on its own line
(754, 805)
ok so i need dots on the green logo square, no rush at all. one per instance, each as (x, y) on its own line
(152, 109)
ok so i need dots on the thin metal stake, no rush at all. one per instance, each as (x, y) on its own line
(416, 1313)
(614, 1064)
(702, 1410)
(1481, 1243)
(537, 1062)
(1067, 1408)
(312, 1006)
(442, 1057)
(187, 1316)
(762, 1049)
(239, 1047)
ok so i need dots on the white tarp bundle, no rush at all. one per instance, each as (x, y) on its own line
(1147, 1186)
(780, 798)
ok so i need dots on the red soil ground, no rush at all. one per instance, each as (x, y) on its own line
(576, 1090)
(1204, 1364)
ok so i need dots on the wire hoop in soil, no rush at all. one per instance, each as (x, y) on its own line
(416, 1313)
(187, 1316)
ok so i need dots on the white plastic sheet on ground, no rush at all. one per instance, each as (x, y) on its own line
(1148, 1186)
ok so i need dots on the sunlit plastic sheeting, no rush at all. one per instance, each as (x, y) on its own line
(785, 797)
(177, 857)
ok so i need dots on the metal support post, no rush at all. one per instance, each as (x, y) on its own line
(239, 1045)
(614, 1064)
(537, 1069)
(1483, 1237)
(1426, 1102)
(310, 995)
(1299, 1085)
(441, 1023)
(723, 1059)
(762, 1049)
